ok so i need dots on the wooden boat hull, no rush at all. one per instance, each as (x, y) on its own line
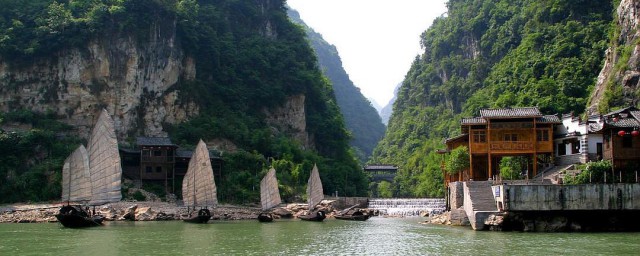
(314, 216)
(76, 217)
(204, 215)
(362, 217)
(265, 217)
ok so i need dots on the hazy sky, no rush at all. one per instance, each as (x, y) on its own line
(377, 39)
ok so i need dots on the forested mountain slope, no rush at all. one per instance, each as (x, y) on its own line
(360, 116)
(237, 74)
(491, 53)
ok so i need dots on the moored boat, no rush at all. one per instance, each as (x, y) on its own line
(269, 195)
(199, 187)
(92, 176)
(315, 194)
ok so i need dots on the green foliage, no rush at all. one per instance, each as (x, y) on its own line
(31, 161)
(385, 190)
(138, 196)
(156, 189)
(591, 172)
(511, 167)
(458, 160)
(493, 53)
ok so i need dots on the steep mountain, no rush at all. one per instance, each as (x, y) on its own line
(237, 74)
(360, 116)
(619, 80)
(387, 110)
(491, 53)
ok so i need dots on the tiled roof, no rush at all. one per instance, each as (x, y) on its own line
(625, 123)
(621, 111)
(188, 153)
(549, 119)
(154, 141)
(461, 136)
(473, 120)
(510, 112)
(380, 167)
(635, 114)
(184, 153)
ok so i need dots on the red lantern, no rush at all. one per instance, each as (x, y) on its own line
(635, 133)
(621, 133)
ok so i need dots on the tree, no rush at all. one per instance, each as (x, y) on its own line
(458, 160)
(511, 167)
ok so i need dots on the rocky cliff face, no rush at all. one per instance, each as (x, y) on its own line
(291, 119)
(134, 79)
(621, 70)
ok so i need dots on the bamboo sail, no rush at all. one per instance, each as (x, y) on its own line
(76, 178)
(104, 162)
(198, 185)
(269, 193)
(314, 189)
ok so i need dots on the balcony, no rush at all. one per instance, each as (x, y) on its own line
(157, 159)
(511, 146)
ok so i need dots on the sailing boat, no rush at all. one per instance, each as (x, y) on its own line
(269, 195)
(314, 196)
(198, 186)
(92, 175)
(76, 187)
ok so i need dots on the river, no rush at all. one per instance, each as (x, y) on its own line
(377, 236)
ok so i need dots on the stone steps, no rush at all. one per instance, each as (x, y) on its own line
(478, 202)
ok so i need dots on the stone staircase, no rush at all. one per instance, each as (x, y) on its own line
(555, 174)
(478, 202)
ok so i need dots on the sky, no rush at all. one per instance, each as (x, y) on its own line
(377, 39)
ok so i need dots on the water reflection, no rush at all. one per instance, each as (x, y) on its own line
(377, 236)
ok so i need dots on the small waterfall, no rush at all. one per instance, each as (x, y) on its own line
(407, 206)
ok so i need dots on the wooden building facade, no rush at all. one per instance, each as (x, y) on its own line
(497, 133)
(621, 132)
(157, 160)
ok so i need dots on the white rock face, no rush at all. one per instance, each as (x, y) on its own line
(131, 79)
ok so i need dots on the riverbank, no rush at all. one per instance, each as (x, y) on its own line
(148, 211)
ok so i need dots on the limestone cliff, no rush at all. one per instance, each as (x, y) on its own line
(139, 80)
(619, 79)
(134, 80)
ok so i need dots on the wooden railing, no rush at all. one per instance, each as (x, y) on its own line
(511, 146)
(157, 159)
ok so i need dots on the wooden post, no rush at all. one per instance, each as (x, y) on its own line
(535, 148)
(470, 164)
(489, 147)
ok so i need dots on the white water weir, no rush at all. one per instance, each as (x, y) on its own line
(407, 206)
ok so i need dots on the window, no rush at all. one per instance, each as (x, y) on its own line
(148, 169)
(158, 169)
(157, 153)
(479, 136)
(510, 137)
(627, 142)
(542, 135)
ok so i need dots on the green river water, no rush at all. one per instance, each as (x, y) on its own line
(377, 236)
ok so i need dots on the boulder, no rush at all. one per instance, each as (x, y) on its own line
(130, 213)
(145, 214)
(283, 213)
